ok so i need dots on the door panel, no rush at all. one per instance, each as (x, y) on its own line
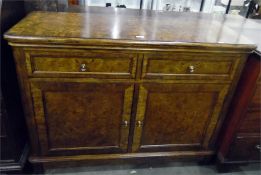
(177, 116)
(82, 117)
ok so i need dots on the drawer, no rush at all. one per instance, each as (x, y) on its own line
(197, 65)
(80, 63)
(251, 121)
(245, 148)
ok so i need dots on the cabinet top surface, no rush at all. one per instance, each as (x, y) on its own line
(99, 25)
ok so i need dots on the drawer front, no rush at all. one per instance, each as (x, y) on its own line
(245, 149)
(251, 122)
(197, 65)
(53, 63)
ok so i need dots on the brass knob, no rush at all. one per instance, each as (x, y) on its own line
(191, 69)
(125, 123)
(83, 67)
(139, 123)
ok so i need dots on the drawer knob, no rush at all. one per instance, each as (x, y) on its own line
(258, 147)
(191, 69)
(139, 123)
(125, 123)
(83, 67)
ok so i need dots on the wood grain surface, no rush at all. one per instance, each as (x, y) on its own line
(164, 93)
(127, 26)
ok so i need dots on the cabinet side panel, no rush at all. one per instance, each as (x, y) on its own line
(239, 104)
(26, 98)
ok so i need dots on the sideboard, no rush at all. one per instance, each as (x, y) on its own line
(125, 84)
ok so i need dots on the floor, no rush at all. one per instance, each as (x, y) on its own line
(169, 169)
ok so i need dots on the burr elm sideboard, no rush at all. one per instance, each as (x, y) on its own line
(123, 84)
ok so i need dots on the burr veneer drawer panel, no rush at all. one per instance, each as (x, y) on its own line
(80, 63)
(189, 66)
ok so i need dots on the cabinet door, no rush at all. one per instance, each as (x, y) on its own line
(76, 117)
(177, 116)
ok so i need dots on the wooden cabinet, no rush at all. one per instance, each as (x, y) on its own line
(80, 117)
(88, 98)
(177, 116)
(81, 113)
(240, 139)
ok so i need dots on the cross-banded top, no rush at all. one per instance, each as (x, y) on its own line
(109, 25)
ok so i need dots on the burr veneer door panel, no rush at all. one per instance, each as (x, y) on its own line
(177, 116)
(76, 117)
